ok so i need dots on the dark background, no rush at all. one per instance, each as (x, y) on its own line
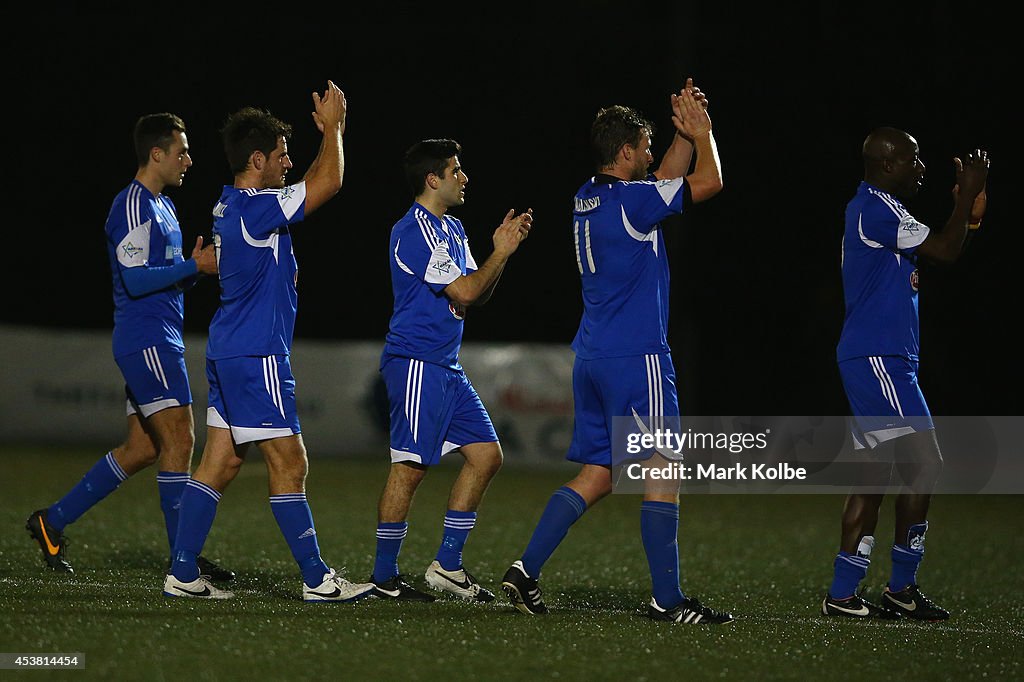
(756, 292)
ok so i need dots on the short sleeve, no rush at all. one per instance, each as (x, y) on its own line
(419, 252)
(129, 229)
(648, 202)
(886, 222)
(471, 265)
(269, 209)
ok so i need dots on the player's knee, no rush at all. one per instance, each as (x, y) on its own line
(232, 465)
(292, 469)
(487, 460)
(496, 458)
(176, 456)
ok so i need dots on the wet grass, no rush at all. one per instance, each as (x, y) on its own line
(766, 558)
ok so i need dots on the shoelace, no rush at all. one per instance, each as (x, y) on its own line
(697, 607)
(338, 577)
(916, 593)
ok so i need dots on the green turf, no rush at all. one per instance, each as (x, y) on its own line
(766, 558)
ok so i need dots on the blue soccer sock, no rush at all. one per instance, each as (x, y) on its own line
(457, 525)
(98, 482)
(907, 558)
(296, 523)
(850, 569)
(171, 485)
(389, 544)
(564, 508)
(659, 526)
(195, 518)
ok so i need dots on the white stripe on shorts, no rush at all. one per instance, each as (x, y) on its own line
(888, 388)
(655, 394)
(153, 363)
(413, 391)
(272, 382)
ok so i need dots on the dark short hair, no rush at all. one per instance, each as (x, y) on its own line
(155, 130)
(249, 130)
(613, 127)
(426, 157)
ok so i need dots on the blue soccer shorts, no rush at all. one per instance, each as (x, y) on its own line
(155, 379)
(434, 410)
(885, 398)
(253, 396)
(638, 389)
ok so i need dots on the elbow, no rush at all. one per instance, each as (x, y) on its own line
(131, 285)
(943, 257)
(464, 296)
(946, 260)
(463, 299)
(706, 189)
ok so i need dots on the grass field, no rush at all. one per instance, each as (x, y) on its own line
(766, 558)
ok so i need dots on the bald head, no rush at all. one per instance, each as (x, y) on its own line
(883, 143)
(892, 163)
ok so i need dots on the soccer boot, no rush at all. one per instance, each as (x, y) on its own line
(690, 610)
(200, 588)
(397, 588)
(522, 590)
(855, 607)
(210, 570)
(51, 541)
(458, 582)
(912, 603)
(334, 588)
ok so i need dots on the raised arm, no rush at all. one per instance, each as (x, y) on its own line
(692, 121)
(945, 247)
(477, 287)
(324, 177)
(676, 161)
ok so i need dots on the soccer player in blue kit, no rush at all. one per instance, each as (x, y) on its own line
(252, 390)
(150, 274)
(620, 254)
(878, 360)
(434, 408)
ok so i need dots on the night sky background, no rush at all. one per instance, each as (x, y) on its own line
(756, 291)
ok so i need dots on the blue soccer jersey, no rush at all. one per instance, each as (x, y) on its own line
(142, 231)
(427, 254)
(620, 253)
(258, 271)
(880, 278)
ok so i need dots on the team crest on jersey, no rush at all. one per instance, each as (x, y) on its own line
(286, 193)
(913, 280)
(457, 309)
(130, 250)
(443, 266)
